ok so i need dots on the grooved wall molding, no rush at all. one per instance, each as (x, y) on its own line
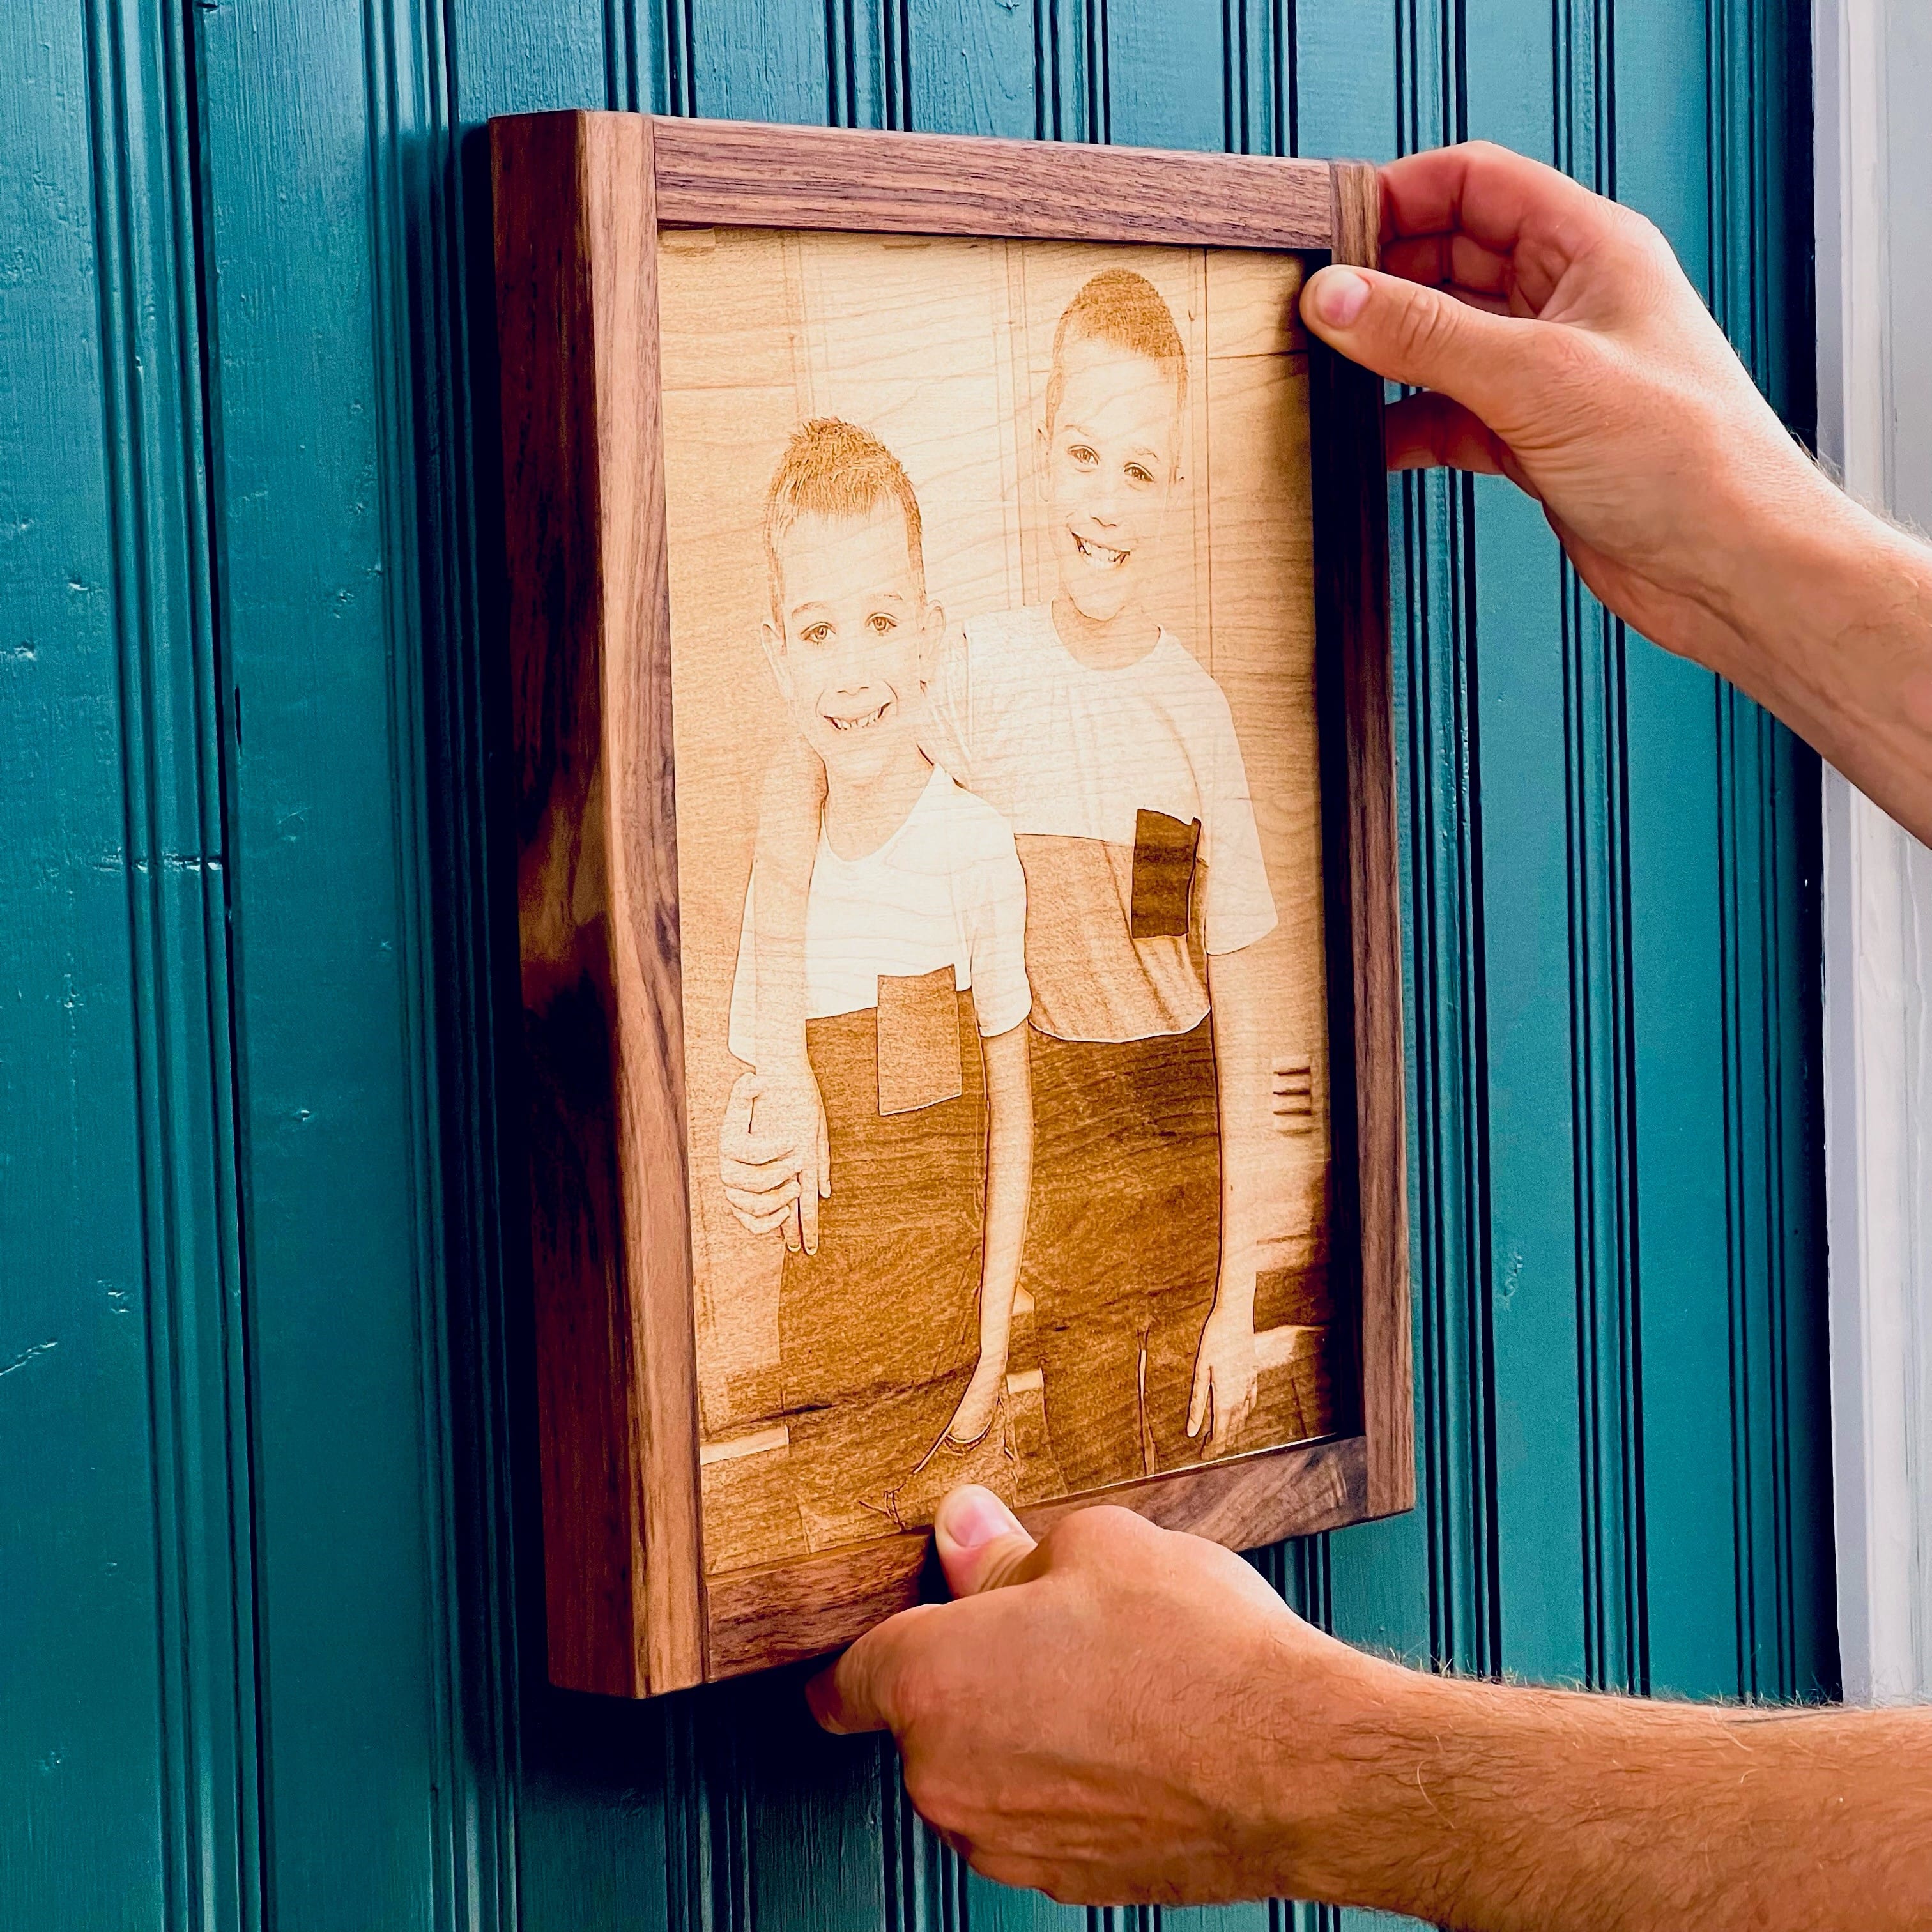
(272, 1630)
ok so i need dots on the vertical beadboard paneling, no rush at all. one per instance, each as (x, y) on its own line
(971, 68)
(1167, 75)
(1608, 869)
(127, 1773)
(335, 494)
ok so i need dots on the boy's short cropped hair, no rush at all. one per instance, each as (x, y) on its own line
(1127, 310)
(831, 468)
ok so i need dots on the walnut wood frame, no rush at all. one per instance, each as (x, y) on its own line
(578, 199)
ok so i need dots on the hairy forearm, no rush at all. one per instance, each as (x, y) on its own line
(1826, 618)
(1513, 1810)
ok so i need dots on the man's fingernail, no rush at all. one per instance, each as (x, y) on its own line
(1340, 295)
(972, 1516)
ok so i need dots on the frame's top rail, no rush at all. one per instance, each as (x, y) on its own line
(755, 175)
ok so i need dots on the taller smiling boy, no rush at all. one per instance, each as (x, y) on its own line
(1112, 754)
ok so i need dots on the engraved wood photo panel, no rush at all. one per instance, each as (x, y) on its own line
(956, 863)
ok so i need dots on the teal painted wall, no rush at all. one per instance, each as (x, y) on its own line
(268, 1639)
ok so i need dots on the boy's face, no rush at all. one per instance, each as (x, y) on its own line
(1113, 453)
(856, 634)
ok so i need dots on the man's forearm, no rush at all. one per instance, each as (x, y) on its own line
(1823, 612)
(1513, 1809)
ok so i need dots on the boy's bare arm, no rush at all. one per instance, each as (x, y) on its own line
(1224, 1372)
(1008, 1180)
(1123, 1712)
(790, 1148)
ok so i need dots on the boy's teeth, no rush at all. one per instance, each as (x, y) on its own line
(1099, 553)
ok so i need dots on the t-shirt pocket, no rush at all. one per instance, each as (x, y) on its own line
(1164, 850)
(919, 1040)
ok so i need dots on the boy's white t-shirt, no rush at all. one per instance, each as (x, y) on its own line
(1069, 756)
(945, 889)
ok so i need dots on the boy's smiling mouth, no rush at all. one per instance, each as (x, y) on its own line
(858, 721)
(1098, 552)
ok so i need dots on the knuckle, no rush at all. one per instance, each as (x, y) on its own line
(1425, 326)
(1094, 1531)
(933, 1795)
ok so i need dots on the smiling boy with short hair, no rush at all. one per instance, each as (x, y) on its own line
(894, 1334)
(1111, 751)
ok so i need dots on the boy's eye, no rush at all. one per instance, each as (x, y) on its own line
(1139, 473)
(1083, 455)
(883, 625)
(815, 634)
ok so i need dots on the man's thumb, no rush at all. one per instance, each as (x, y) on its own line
(1415, 335)
(981, 1542)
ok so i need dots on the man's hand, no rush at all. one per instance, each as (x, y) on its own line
(1085, 1721)
(1563, 346)
(1120, 1713)
(773, 1156)
(1226, 1376)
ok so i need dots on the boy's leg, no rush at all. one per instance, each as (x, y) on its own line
(1122, 1237)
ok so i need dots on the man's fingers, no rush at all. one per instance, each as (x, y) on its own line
(1454, 261)
(1198, 1403)
(1431, 432)
(856, 1693)
(981, 1542)
(1492, 194)
(1418, 335)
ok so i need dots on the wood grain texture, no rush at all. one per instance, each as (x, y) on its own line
(583, 522)
(593, 1591)
(640, 836)
(790, 1612)
(607, 975)
(727, 173)
(1351, 590)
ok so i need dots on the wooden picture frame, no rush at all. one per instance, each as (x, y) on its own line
(581, 199)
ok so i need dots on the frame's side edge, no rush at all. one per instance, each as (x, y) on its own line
(592, 1586)
(639, 813)
(1352, 606)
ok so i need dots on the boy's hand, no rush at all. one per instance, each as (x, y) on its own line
(1225, 1375)
(773, 1156)
(980, 1403)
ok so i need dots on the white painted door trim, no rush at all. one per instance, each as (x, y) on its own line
(1873, 172)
